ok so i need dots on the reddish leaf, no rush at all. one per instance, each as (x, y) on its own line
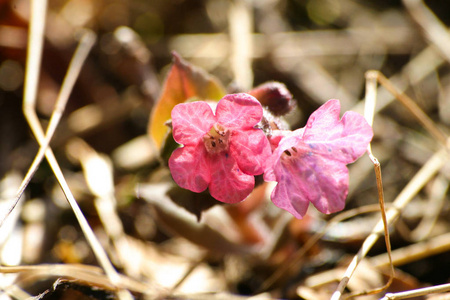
(184, 81)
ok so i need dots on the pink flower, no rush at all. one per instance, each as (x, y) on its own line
(309, 164)
(222, 151)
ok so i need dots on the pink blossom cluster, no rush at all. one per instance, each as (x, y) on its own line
(224, 149)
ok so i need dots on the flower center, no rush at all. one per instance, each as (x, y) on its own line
(216, 140)
(295, 153)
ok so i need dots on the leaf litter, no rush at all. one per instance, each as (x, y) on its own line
(159, 248)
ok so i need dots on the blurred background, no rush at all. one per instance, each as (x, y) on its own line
(320, 49)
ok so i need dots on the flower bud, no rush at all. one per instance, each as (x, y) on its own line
(275, 96)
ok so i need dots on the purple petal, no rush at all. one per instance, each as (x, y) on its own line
(288, 141)
(344, 140)
(189, 167)
(190, 121)
(321, 121)
(305, 177)
(228, 183)
(278, 135)
(289, 192)
(310, 164)
(284, 197)
(239, 111)
(251, 149)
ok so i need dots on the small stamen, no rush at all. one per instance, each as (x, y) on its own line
(287, 152)
(216, 140)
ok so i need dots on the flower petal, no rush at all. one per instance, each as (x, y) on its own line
(326, 182)
(228, 183)
(287, 141)
(344, 140)
(239, 111)
(190, 121)
(285, 197)
(189, 167)
(306, 177)
(251, 149)
(310, 164)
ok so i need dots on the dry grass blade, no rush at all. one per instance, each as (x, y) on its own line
(98, 172)
(437, 199)
(421, 178)
(418, 292)
(401, 256)
(369, 114)
(433, 27)
(17, 293)
(415, 71)
(297, 257)
(415, 252)
(193, 266)
(433, 165)
(370, 103)
(411, 106)
(240, 22)
(86, 42)
(91, 274)
(377, 168)
(34, 54)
